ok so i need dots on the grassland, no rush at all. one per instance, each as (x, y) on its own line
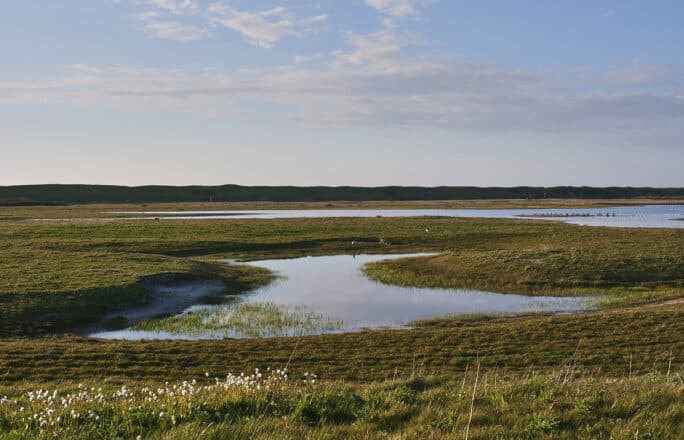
(605, 342)
(58, 274)
(598, 267)
(55, 275)
(476, 404)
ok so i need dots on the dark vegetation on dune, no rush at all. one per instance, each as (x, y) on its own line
(70, 194)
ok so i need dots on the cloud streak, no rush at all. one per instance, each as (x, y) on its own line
(400, 92)
(395, 8)
(262, 28)
(374, 83)
(173, 30)
(176, 7)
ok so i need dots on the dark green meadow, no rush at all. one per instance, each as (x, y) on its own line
(611, 373)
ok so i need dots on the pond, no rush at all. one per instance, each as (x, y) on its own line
(315, 295)
(643, 216)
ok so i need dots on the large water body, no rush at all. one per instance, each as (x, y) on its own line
(335, 287)
(643, 216)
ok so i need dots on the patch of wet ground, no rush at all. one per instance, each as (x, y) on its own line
(165, 295)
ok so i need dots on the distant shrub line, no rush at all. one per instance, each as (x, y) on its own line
(68, 194)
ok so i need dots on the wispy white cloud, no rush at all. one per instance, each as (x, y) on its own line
(374, 82)
(262, 28)
(641, 73)
(187, 20)
(167, 19)
(176, 7)
(375, 49)
(173, 30)
(395, 8)
(404, 91)
(300, 59)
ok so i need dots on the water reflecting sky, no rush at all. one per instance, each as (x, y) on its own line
(335, 287)
(646, 216)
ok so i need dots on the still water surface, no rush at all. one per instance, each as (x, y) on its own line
(334, 288)
(645, 216)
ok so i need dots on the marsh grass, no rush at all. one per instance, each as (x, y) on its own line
(55, 276)
(625, 271)
(251, 320)
(608, 343)
(44, 289)
(472, 317)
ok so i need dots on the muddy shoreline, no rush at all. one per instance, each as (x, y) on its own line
(165, 294)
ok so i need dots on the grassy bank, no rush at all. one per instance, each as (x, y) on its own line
(45, 289)
(609, 342)
(624, 269)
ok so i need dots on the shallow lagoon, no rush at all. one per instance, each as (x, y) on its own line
(644, 216)
(332, 294)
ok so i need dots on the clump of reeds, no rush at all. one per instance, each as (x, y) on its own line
(245, 320)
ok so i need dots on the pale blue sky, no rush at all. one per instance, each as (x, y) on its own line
(344, 92)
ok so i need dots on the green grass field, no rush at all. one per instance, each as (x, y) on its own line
(611, 373)
(477, 404)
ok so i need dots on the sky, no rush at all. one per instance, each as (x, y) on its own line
(342, 92)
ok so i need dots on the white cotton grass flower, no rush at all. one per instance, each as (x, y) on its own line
(55, 412)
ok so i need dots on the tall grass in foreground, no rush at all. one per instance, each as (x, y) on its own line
(279, 404)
